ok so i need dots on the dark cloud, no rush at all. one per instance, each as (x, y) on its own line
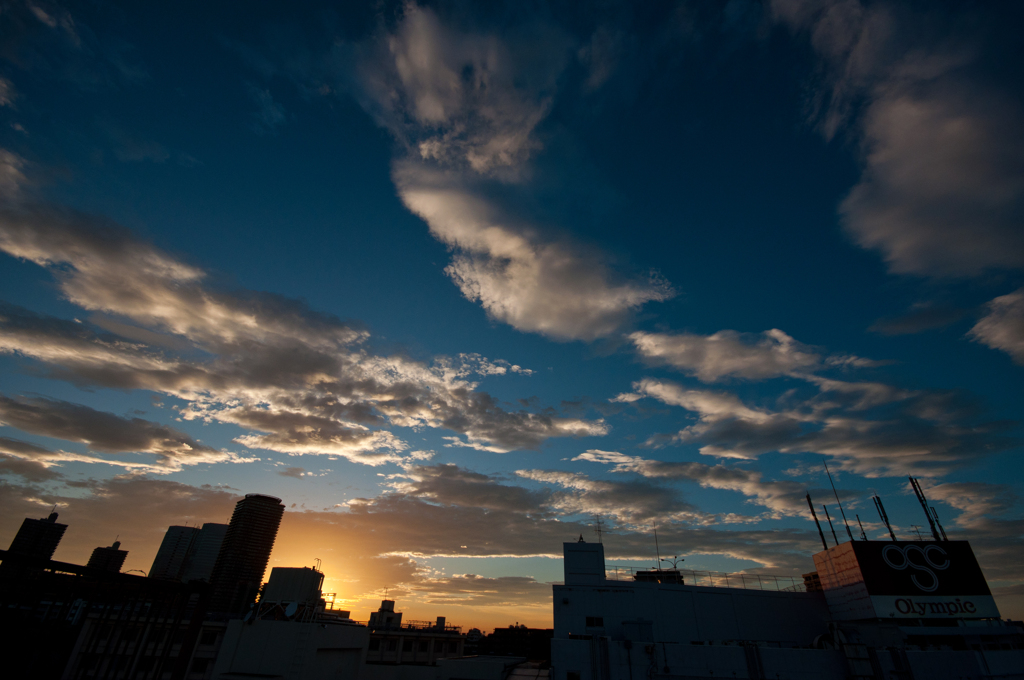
(105, 432)
(296, 472)
(921, 318)
(872, 429)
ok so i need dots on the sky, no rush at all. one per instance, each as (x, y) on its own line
(458, 280)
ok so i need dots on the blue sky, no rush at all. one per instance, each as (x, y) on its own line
(454, 280)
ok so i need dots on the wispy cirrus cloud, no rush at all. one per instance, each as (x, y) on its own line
(782, 498)
(729, 354)
(871, 429)
(1002, 327)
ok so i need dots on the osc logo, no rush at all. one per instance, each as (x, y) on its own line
(920, 559)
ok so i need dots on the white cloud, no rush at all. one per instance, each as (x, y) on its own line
(1003, 326)
(519, 277)
(300, 381)
(466, 106)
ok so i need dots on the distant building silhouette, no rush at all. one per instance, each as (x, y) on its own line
(110, 558)
(188, 553)
(169, 562)
(38, 537)
(244, 554)
(202, 557)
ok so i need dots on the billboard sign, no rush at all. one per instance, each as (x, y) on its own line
(905, 579)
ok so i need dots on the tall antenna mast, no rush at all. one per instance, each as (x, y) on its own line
(924, 504)
(816, 522)
(836, 493)
(861, 525)
(598, 530)
(834, 538)
(656, 546)
(941, 530)
(884, 517)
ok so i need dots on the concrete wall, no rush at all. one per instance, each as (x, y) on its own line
(689, 613)
(292, 650)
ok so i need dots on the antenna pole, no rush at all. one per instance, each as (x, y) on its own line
(861, 525)
(941, 530)
(816, 522)
(884, 517)
(598, 530)
(656, 546)
(836, 493)
(834, 538)
(924, 504)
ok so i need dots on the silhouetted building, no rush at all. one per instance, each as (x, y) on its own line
(110, 558)
(65, 620)
(38, 537)
(244, 554)
(169, 562)
(531, 643)
(422, 643)
(202, 557)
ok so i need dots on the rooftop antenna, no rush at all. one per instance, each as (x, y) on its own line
(830, 525)
(861, 525)
(816, 522)
(656, 546)
(883, 516)
(941, 530)
(924, 504)
(917, 530)
(598, 530)
(836, 493)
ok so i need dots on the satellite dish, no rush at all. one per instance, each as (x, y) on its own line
(290, 610)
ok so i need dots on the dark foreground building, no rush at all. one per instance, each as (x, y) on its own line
(65, 620)
(911, 610)
(244, 554)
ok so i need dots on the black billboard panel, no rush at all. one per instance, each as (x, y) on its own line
(920, 568)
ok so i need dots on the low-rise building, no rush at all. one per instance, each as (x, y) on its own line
(878, 609)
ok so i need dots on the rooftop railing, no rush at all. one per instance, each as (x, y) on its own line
(711, 579)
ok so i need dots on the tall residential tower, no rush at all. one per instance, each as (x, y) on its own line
(244, 554)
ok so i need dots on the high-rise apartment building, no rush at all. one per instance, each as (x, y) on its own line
(244, 554)
(169, 562)
(203, 555)
(38, 537)
(110, 558)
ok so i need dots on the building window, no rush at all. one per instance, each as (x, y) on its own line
(424, 646)
(392, 645)
(595, 622)
(374, 645)
(199, 665)
(438, 646)
(453, 647)
(209, 637)
(407, 646)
